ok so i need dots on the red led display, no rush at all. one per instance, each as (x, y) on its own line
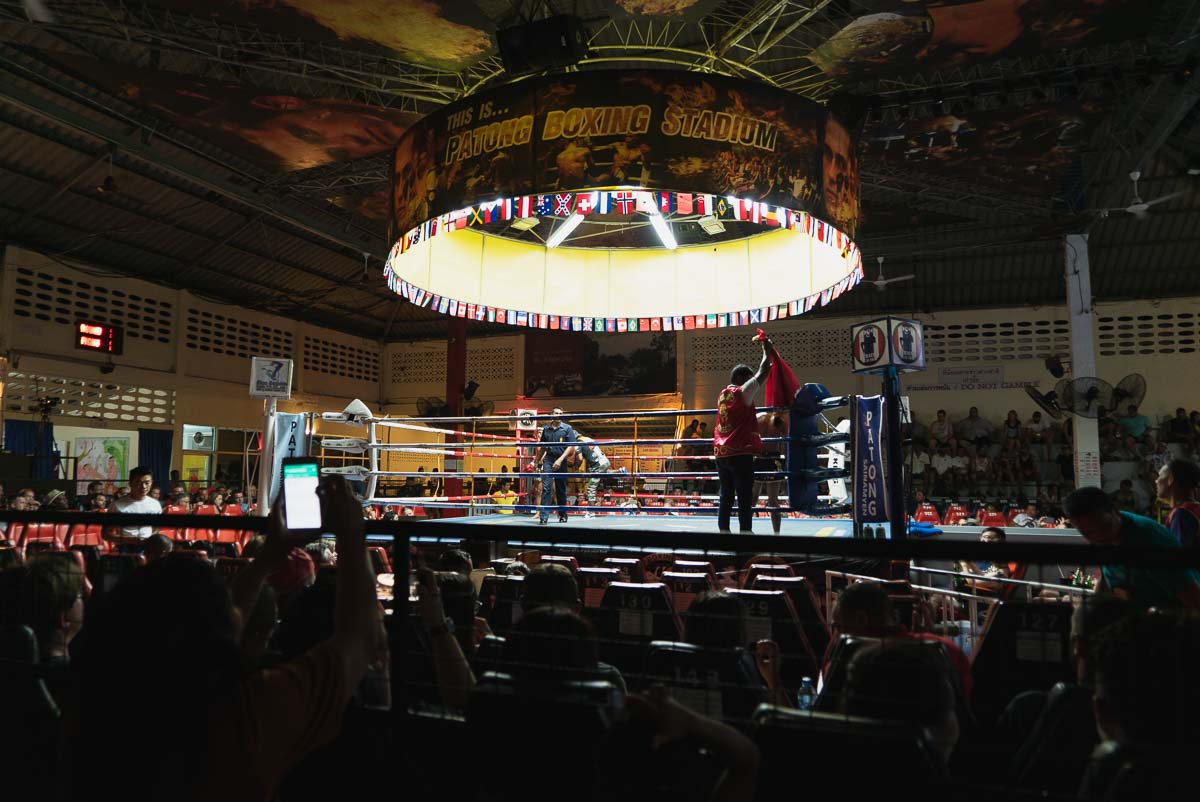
(101, 337)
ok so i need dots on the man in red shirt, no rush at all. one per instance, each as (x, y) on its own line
(736, 441)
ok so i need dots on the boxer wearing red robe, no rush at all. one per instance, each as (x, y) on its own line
(736, 441)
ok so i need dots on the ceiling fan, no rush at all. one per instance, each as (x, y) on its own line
(1138, 207)
(882, 282)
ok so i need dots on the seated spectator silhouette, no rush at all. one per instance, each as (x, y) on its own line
(1097, 518)
(455, 560)
(1124, 498)
(974, 430)
(552, 644)
(46, 595)
(941, 431)
(229, 735)
(986, 568)
(1176, 484)
(552, 585)
(898, 681)
(1132, 423)
(1057, 730)
(717, 620)
(1178, 428)
(157, 546)
(1147, 710)
(865, 609)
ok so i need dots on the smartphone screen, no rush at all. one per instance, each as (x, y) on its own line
(301, 507)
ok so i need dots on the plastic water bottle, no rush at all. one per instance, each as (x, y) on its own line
(807, 695)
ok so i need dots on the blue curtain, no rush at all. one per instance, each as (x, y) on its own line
(21, 437)
(154, 452)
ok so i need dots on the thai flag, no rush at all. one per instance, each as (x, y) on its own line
(610, 324)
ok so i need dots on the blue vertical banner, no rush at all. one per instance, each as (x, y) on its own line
(870, 489)
(291, 440)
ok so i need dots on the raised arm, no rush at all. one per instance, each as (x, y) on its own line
(750, 388)
(356, 609)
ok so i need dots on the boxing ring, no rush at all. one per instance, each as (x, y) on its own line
(640, 490)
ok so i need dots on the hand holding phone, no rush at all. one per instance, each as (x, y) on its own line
(301, 504)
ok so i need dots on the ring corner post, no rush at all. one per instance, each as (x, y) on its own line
(897, 518)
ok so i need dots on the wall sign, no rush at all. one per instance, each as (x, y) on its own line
(270, 378)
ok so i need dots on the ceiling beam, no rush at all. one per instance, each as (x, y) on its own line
(134, 147)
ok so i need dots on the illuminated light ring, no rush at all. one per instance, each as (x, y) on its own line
(796, 264)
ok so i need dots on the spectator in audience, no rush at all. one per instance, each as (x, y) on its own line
(943, 468)
(717, 620)
(505, 497)
(1176, 484)
(1006, 470)
(899, 681)
(976, 431)
(516, 568)
(919, 461)
(237, 499)
(231, 735)
(918, 498)
(1058, 743)
(98, 502)
(1038, 430)
(84, 503)
(1050, 500)
(1146, 710)
(25, 502)
(961, 464)
(1028, 516)
(56, 501)
(549, 585)
(1132, 423)
(981, 468)
(1124, 498)
(1155, 459)
(553, 644)
(1026, 467)
(1012, 427)
(941, 432)
(455, 560)
(1093, 513)
(864, 609)
(155, 493)
(136, 502)
(1127, 450)
(988, 569)
(1106, 425)
(460, 604)
(51, 604)
(157, 546)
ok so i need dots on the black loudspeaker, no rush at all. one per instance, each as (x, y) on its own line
(557, 41)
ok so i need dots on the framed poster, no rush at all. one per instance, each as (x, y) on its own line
(101, 459)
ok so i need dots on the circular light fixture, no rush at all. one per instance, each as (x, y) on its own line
(574, 213)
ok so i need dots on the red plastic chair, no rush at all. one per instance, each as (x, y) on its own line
(955, 514)
(928, 514)
(86, 535)
(43, 533)
(172, 532)
(993, 519)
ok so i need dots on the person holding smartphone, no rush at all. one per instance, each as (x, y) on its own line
(232, 735)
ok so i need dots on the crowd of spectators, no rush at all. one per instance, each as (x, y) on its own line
(277, 658)
(1019, 461)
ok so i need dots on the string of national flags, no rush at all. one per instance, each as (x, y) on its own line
(625, 201)
(516, 317)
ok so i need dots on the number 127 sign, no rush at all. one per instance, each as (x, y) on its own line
(888, 342)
